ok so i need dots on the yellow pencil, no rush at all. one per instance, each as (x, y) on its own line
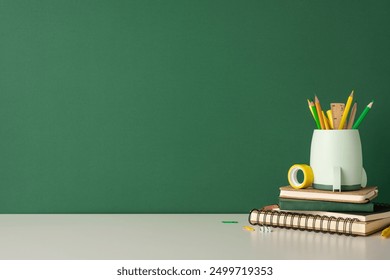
(330, 118)
(319, 110)
(326, 123)
(346, 110)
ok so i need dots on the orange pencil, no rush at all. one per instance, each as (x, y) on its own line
(318, 107)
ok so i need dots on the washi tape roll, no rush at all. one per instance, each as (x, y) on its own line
(308, 176)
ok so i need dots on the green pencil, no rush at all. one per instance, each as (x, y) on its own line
(313, 109)
(362, 115)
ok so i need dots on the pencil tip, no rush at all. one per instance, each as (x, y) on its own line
(352, 93)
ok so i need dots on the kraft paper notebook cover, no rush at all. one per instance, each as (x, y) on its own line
(363, 195)
(317, 223)
(313, 205)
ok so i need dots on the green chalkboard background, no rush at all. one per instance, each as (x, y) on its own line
(179, 106)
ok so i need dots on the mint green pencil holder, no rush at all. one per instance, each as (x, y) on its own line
(336, 160)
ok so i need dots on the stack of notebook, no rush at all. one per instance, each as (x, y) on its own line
(348, 212)
(314, 199)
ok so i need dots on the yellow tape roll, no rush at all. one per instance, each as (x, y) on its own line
(307, 174)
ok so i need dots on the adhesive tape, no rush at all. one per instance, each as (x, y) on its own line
(307, 174)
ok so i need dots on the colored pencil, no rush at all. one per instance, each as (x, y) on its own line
(352, 116)
(326, 122)
(346, 111)
(311, 110)
(329, 114)
(314, 113)
(362, 115)
(319, 110)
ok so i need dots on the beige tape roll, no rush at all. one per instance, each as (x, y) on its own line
(307, 174)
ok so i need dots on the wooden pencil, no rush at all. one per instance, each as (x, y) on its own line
(346, 111)
(362, 115)
(319, 110)
(352, 116)
(329, 114)
(326, 123)
(314, 113)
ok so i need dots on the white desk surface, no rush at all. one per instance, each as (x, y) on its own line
(170, 236)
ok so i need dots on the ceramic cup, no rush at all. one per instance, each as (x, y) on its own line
(336, 160)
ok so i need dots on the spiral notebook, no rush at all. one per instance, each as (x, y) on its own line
(270, 216)
(381, 211)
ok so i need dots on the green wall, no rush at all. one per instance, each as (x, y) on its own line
(178, 105)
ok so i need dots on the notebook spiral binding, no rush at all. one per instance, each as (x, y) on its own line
(343, 226)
